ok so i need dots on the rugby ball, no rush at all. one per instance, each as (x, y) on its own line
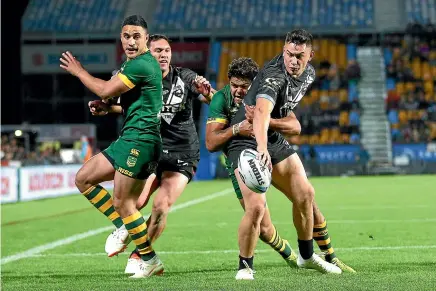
(254, 175)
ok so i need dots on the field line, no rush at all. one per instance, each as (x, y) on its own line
(198, 252)
(68, 240)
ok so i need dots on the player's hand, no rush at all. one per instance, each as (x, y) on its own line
(249, 113)
(70, 64)
(246, 129)
(98, 107)
(264, 157)
(202, 85)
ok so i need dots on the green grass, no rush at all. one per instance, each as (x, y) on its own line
(376, 223)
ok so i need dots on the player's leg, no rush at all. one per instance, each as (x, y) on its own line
(268, 231)
(151, 185)
(96, 170)
(126, 193)
(135, 162)
(249, 228)
(322, 238)
(290, 178)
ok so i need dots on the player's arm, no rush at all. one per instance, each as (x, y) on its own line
(287, 126)
(104, 89)
(198, 84)
(218, 132)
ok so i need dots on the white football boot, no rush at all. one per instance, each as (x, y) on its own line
(132, 266)
(117, 241)
(245, 274)
(149, 268)
(316, 263)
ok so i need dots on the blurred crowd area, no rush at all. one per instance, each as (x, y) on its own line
(330, 112)
(411, 80)
(13, 149)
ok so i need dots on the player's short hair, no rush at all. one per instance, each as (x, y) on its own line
(244, 68)
(156, 37)
(299, 36)
(136, 20)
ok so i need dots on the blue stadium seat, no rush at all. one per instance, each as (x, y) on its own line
(421, 11)
(390, 84)
(213, 14)
(73, 16)
(393, 116)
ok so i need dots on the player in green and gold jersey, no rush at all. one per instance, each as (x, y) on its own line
(135, 154)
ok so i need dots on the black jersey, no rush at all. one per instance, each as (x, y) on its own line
(275, 84)
(177, 125)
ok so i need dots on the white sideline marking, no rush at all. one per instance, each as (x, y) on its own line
(390, 248)
(65, 241)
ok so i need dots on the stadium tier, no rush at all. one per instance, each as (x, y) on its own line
(411, 79)
(216, 14)
(422, 11)
(74, 16)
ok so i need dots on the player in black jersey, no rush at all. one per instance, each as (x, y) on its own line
(180, 144)
(275, 92)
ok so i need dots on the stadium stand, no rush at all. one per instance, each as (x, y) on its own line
(421, 11)
(215, 14)
(330, 112)
(411, 80)
(74, 16)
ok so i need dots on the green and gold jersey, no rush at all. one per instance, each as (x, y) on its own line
(143, 102)
(222, 108)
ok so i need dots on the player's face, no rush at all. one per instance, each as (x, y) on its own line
(239, 88)
(296, 57)
(134, 40)
(161, 50)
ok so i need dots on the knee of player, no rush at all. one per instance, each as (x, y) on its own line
(118, 204)
(81, 181)
(256, 211)
(161, 206)
(306, 194)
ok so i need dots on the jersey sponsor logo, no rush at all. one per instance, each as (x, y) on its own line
(256, 172)
(175, 101)
(272, 84)
(131, 161)
(125, 172)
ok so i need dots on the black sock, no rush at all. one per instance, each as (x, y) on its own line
(306, 248)
(249, 262)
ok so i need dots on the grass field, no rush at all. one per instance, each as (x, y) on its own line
(384, 227)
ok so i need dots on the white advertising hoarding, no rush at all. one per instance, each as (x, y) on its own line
(49, 181)
(9, 184)
(44, 59)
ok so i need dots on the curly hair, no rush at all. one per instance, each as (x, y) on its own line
(244, 68)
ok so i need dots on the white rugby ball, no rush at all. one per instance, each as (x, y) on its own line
(254, 175)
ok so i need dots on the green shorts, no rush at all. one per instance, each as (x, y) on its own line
(234, 180)
(133, 158)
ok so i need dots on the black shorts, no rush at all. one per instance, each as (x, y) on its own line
(279, 151)
(180, 162)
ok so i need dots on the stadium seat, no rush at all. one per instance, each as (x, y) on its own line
(343, 118)
(403, 117)
(428, 87)
(393, 117)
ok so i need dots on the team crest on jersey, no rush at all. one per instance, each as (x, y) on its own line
(295, 94)
(175, 101)
(134, 152)
(131, 161)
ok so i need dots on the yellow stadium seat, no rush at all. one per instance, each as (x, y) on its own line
(224, 62)
(428, 87)
(403, 117)
(303, 139)
(333, 53)
(345, 138)
(433, 55)
(400, 88)
(278, 46)
(270, 53)
(426, 72)
(410, 86)
(432, 127)
(342, 56)
(244, 48)
(252, 50)
(428, 97)
(314, 139)
(395, 126)
(343, 118)
(324, 48)
(343, 95)
(433, 72)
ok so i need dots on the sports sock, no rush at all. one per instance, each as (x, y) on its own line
(137, 228)
(102, 200)
(306, 248)
(322, 238)
(278, 244)
(249, 262)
